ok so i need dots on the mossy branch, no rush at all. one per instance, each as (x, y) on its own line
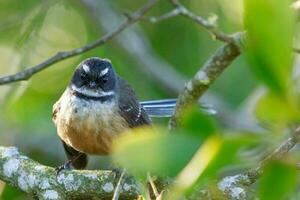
(41, 181)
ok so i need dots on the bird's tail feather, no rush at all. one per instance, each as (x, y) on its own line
(165, 108)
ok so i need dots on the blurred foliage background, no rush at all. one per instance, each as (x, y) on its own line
(33, 31)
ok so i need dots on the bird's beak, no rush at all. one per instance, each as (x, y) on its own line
(93, 85)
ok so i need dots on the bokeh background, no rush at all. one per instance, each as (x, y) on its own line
(155, 58)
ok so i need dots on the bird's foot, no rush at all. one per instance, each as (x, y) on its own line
(66, 166)
(117, 172)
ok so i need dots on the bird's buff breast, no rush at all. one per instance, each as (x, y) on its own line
(88, 126)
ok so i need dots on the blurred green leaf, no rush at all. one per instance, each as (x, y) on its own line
(195, 168)
(228, 152)
(10, 193)
(215, 153)
(278, 181)
(275, 111)
(148, 150)
(197, 124)
(269, 26)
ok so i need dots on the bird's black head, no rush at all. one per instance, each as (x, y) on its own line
(94, 77)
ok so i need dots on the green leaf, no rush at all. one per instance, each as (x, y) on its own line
(275, 111)
(278, 181)
(197, 124)
(10, 192)
(214, 154)
(195, 168)
(269, 26)
(228, 153)
(148, 150)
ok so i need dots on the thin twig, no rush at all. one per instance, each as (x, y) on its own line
(278, 153)
(210, 27)
(119, 186)
(173, 13)
(154, 189)
(296, 50)
(230, 184)
(27, 73)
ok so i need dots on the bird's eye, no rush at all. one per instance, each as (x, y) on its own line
(104, 79)
(98, 80)
(83, 75)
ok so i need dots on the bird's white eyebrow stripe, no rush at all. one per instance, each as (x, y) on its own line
(104, 71)
(86, 68)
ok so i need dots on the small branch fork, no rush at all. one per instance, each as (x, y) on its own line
(180, 9)
(202, 22)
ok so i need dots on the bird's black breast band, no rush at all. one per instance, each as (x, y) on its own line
(93, 98)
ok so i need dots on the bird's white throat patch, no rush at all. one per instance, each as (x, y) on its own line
(92, 93)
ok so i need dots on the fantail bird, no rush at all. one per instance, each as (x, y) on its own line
(97, 106)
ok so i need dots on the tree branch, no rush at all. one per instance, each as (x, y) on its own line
(231, 184)
(27, 73)
(33, 178)
(211, 70)
(278, 153)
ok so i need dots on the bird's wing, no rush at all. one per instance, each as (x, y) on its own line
(129, 108)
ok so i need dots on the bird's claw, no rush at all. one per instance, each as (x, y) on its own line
(117, 172)
(66, 166)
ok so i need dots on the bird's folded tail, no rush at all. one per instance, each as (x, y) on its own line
(166, 107)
